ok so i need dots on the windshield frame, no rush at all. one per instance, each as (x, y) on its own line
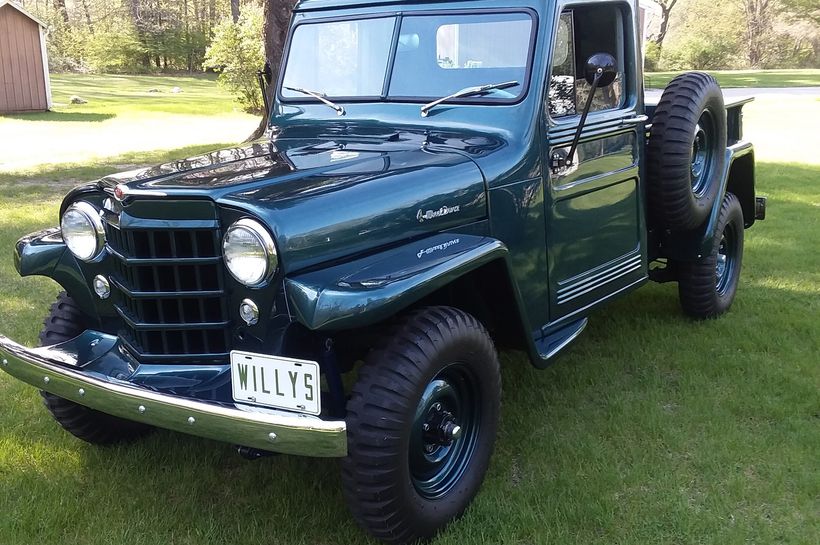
(398, 16)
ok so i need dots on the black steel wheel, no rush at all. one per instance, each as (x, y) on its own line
(422, 421)
(64, 322)
(686, 152)
(707, 286)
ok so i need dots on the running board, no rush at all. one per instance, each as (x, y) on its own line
(556, 341)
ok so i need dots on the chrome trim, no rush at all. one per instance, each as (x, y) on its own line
(267, 429)
(254, 318)
(126, 192)
(637, 120)
(265, 240)
(101, 286)
(563, 344)
(588, 284)
(93, 216)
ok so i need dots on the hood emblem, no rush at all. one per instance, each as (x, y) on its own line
(426, 215)
(120, 192)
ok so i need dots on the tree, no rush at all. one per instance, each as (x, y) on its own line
(759, 15)
(235, 13)
(666, 10)
(60, 6)
(275, 31)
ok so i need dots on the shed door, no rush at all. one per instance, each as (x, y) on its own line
(22, 79)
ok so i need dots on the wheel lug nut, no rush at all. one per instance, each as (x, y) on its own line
(437, 406)
(425, 426)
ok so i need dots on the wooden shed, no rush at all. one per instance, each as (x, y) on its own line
(24, 82)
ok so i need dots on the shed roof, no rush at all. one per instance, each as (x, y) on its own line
(19, 8)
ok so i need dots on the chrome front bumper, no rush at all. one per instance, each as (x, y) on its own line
(51, 369)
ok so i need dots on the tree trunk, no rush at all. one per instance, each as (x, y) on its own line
(758, 29)
(59, 5)
(84, 4)
(235, 10)
(666, 10)
(275, 29)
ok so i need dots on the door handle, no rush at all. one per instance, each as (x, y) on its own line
(637, 120)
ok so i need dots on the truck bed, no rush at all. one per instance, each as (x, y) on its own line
(734, 113)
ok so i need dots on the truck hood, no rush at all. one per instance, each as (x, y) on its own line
(328, 198)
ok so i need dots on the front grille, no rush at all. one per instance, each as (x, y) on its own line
(169, 291)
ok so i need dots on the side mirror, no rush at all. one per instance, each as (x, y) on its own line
(601, 71)
(265, 78)
(604, 66)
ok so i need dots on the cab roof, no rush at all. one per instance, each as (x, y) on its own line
(309, 5)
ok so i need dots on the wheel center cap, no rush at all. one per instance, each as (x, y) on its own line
(441, 428)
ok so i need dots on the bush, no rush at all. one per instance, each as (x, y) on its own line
(114, 48)
(237, 53)
(652, 56)
(699, 53)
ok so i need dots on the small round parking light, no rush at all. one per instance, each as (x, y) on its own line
(101, 287)
(249, 312)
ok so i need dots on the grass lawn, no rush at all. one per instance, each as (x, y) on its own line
(650, 429)
(746, 78)
(121, 117)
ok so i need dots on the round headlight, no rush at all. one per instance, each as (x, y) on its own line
(250, 254)
(83, 231)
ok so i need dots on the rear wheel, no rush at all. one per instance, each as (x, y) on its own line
(708, 286)
(63, 323)
(422, 420)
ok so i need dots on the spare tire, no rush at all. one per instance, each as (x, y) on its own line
(686, 152)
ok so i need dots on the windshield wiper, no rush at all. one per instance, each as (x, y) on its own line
(467, 91)
(318, 96)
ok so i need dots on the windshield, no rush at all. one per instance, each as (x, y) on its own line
(433, 56)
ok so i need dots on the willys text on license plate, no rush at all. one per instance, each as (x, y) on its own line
(273, 381)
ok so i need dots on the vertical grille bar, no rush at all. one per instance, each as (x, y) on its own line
(163, 327)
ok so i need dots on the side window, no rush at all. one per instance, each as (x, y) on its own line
(582, 32)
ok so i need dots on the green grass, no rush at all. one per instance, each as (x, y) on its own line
(650, 429)
(121, 117)
(109, 95)
(747, 78)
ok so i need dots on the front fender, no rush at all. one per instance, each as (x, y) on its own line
(368, 290)
(45, 254)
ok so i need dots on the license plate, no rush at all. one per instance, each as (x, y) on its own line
(274, 381)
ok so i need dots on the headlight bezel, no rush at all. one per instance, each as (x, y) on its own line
(92, 215)
(265, 240)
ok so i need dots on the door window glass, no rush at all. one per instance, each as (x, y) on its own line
(582, 32)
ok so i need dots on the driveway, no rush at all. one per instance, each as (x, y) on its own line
(755, 92)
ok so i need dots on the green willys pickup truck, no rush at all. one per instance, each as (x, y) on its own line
(439, 179)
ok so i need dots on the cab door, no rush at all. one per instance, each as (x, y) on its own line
(595, 222)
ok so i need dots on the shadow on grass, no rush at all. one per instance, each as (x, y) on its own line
(70, 117)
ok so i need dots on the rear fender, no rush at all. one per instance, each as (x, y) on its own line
(369, 290)
(737, 178)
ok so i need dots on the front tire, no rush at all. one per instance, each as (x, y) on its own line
(64, 322)
(708, 286)
(422, 421)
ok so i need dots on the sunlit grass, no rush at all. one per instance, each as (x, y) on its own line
(747, 78)
(121, 117)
